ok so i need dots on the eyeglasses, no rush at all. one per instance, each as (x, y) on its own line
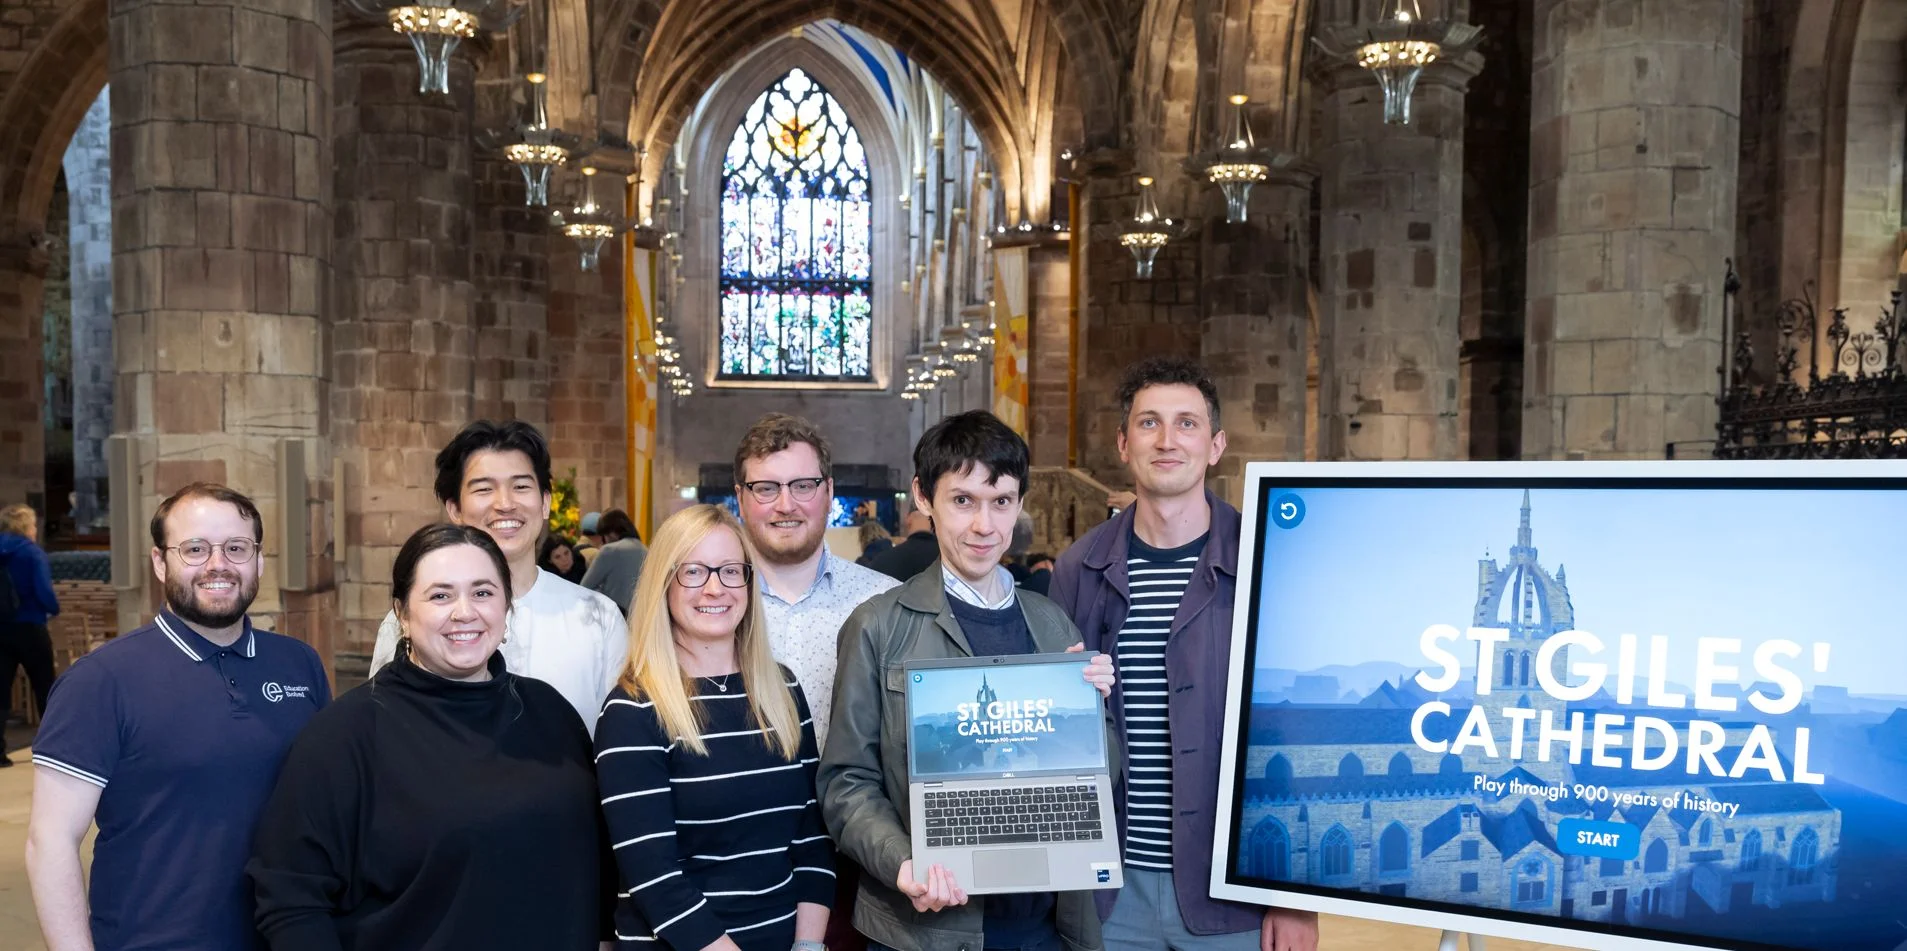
(198, 551)
(768, 490)
(690, 574)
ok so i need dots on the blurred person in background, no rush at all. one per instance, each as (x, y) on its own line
(26, 602)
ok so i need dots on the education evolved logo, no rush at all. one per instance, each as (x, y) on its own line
(1023, 718)
(1673, 731)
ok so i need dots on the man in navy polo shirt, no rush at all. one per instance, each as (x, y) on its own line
(170, 737)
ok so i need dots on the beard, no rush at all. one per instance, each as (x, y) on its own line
(183, 599)
(791, 551)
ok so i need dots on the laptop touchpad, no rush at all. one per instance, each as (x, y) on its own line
(1006, 868)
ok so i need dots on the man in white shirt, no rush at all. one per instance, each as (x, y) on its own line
(784, 487)
(496, 476)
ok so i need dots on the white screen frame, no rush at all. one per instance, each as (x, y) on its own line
(1257, 474)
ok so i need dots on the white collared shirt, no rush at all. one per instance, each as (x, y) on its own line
(959, 588)
(561, 633)
(802, 633)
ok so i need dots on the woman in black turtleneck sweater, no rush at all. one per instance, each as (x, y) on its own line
(447, 803)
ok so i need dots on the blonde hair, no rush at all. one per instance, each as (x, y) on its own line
(655, 674)
(18, 519)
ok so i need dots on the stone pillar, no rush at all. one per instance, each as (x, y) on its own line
(1049, 287)
(588, 350)
(1391, 251)
(1635, 127)
(402, 292)
(23, 266)
(221, 236)
(511, 273)
(90, 262)
(1255, 326)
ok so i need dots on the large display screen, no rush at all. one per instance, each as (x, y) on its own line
(1613, 706)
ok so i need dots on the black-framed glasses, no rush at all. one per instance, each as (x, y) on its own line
(768, 490)
(735, 574)
(198, 551)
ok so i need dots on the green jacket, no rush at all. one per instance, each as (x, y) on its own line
(863, 778)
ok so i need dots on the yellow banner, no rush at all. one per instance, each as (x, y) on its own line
(1010, 341)
(640, 378)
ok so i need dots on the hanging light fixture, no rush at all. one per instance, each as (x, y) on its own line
(1396, 47)
(1147, 231)
(436, 30)
(943, 364)
(1236, 168)
(970, 347)
(923, 370)
(590, 224)
(537, 149)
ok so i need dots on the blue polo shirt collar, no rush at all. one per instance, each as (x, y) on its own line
(195, 646)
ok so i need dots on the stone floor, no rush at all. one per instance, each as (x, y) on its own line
(20, 932)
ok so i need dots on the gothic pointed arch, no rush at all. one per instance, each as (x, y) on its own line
(749, 266)
(796, 234)
(1336, 854)
(44, 105)
(1268, 854)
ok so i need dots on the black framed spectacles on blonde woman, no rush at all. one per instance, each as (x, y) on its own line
(692, 574)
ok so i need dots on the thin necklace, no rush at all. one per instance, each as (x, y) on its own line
(721, 685)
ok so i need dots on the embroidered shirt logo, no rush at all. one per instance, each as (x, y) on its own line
(276, 692)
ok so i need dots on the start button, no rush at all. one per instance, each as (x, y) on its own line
(1608, 840)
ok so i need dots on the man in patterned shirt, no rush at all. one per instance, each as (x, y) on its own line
(1154, 588)
(784, 487)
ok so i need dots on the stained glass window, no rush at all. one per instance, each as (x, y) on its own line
(797, 224)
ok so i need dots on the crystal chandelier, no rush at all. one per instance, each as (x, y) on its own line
(590, 224)
(1237, 167)
(1396, 48)
(536, 149)
(1147, 232)
(436, 30)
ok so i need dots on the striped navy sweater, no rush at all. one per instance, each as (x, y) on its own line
(706, 845)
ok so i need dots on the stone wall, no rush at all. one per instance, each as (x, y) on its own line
(588, 357)
(1126, 319)
(401, 304)
(510, 269)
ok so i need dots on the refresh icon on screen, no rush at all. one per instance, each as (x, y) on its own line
(1287, 510)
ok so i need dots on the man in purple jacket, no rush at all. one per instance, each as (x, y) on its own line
(1154, 588)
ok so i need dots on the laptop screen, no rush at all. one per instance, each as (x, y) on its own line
(1004, 719)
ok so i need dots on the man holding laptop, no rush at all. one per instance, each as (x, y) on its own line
(1154, 588)
(1019, 753)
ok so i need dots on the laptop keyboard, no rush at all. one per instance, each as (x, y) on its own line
(1021, 814)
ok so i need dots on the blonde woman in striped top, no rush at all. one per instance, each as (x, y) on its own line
(705, 758)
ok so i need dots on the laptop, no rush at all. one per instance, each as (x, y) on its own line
(1008, 782)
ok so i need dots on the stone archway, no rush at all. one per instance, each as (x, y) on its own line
(628, 28)
(47, 99)
(969, 56)
(1872, 146)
